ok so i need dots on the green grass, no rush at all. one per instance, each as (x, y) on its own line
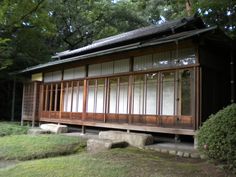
(129, 162)
(25, 147)
(12, 128)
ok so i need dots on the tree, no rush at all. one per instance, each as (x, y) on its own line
(80, 22)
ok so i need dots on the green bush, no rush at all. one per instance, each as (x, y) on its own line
(12, 128)
(217, 137)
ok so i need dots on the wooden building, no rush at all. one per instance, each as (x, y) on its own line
(166, 78)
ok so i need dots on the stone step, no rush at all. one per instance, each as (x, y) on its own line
(98, 145)
(133, 139)
(54, 128)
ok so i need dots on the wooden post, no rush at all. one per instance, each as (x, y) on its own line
(83, 129)
(84, 100)
(22, 106)
(34, 103)
(13, 100)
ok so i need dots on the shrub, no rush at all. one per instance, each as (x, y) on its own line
(12, 128)
(217, 137)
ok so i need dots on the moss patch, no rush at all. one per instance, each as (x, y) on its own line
(25, 147)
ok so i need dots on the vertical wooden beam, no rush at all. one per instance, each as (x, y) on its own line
(117, 97)
(144, 95)
(61, 99)
(85, 99)
(130, 104)
(107, 98)
(13, 100)
(95, 97)
(104, 99)
(22, 106)
(72, 95)
(55, 99)
(41, 100)
(46, 99)
(77, 97)
(34, 103)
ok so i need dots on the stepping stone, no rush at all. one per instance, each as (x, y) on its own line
(99, 145)
(134, 139)
(55, 128)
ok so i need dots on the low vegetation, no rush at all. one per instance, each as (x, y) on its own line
(12, 128)
(129, 162)
(217, 137)
(25, 147)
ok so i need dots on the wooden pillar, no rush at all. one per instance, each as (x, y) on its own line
(22, 106)
(34, 103)
(13, 100)
(84, 100)
(83, 130)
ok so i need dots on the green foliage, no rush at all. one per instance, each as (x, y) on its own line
(217, 137)
(7, 128)
(218, 12)
(25, 147)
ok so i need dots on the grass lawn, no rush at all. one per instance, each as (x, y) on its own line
(25, 147)
(128, 162)
(12, 128)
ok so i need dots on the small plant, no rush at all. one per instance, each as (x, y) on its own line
(12, 128)
(217, 137)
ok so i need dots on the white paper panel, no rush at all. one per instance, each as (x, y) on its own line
(95, 70)
(121, 66)
(107, 68)
(142, 62)
(168, 94)
(79, 72)
(68, 74)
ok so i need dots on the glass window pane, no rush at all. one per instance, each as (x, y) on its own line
(90, 100)
(168, 89)
(185, 87)
(138, 89)
(95, 70)
(112, 95)
(107, 68)
(67, 99)
(142, 62)
(48, 77)
(151, 100)
(121, 66)
(123, 95)
(80, 101)
(79, 72)
(184, 57)
(162, 59)
(100, 96)
(75, 99)
(56, 76)
(68, 74)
